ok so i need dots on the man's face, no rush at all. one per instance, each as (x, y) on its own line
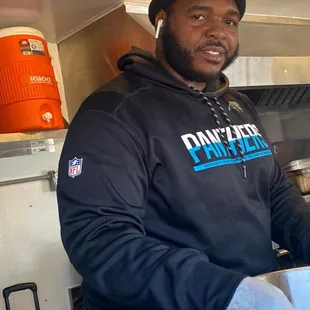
(200, 37)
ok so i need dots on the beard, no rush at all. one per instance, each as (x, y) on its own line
(181, 59)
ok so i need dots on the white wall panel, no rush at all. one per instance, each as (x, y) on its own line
(30, 245)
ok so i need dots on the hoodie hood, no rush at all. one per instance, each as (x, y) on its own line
(145, 64)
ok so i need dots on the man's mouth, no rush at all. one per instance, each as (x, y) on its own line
(214, 53)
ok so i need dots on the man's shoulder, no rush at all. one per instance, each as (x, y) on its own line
(110, 97)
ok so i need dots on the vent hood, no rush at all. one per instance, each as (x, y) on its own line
(273, 83)
(277, 98)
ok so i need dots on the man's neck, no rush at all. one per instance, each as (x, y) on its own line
(162, 60)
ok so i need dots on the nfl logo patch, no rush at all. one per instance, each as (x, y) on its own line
(75, 167)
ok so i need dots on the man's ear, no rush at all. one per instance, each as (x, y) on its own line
(161, 15)
(159, 22)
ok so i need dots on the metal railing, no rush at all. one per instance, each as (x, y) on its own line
(51, 176)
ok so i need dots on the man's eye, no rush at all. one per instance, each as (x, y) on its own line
(198, 17)
(231, 22)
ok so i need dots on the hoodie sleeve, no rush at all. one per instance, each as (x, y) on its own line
(290, 216)
(290, 213)
(102, 203)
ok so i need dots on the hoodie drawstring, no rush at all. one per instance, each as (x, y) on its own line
(224, 140)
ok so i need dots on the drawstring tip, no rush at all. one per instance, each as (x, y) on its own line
(244, 172)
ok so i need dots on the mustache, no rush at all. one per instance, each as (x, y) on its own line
(211, 43)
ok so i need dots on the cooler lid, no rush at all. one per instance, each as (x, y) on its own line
(13, 31)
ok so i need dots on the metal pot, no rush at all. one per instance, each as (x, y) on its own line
(299, 172)
(295, 284)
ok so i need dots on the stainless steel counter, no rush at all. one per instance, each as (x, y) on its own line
(295, 283)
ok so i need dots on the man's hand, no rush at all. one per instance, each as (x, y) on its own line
(256, 294)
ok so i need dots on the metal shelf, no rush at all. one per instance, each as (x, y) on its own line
(31, 143)
(32, 136)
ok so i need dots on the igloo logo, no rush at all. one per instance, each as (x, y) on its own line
(41, 79)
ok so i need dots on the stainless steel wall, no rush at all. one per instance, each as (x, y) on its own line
(88, 58)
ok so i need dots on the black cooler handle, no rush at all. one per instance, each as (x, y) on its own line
(21, 287)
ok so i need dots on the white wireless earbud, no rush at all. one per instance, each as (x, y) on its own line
(159, 25)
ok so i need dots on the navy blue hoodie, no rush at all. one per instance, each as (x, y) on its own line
(154, 208)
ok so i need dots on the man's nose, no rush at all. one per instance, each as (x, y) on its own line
(216, 29)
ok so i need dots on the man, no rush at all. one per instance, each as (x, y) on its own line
(173, 196)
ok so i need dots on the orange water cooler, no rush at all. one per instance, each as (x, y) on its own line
(29, 96)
